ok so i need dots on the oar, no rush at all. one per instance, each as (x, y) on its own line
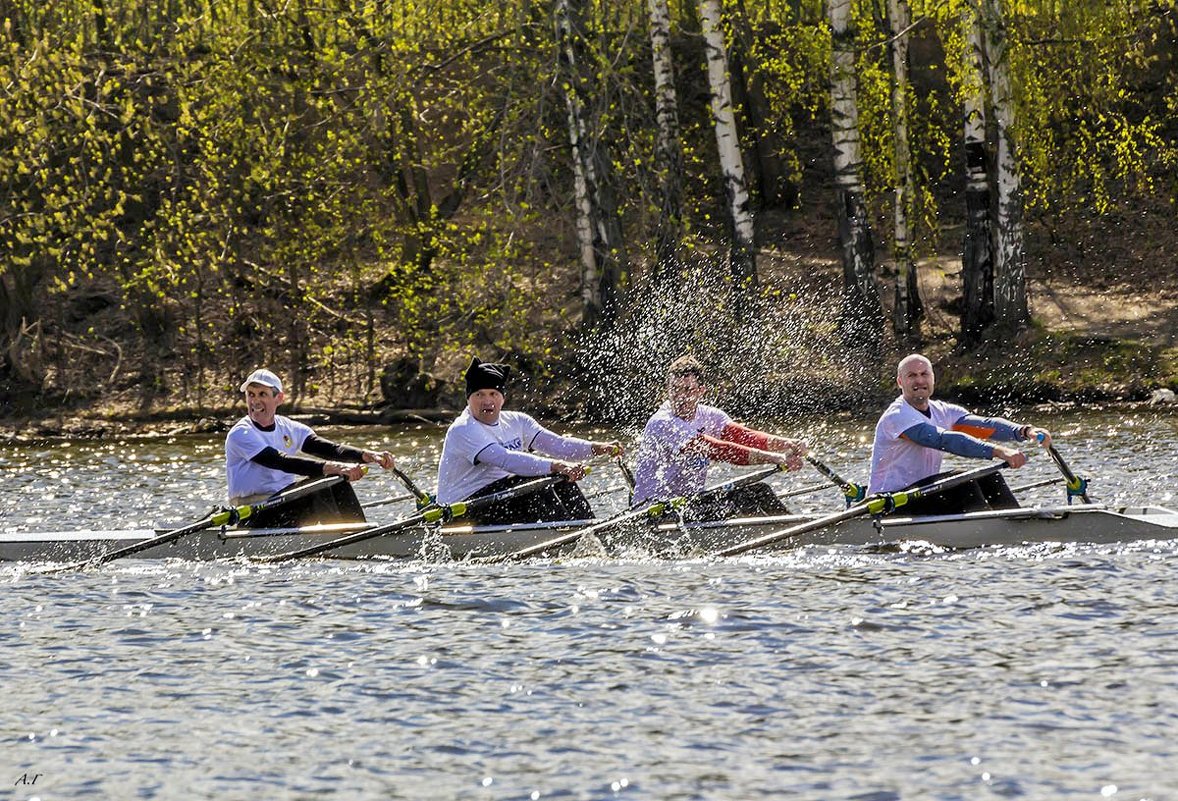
(652, 510)
(627, 474)
(648, 510)
(429, 515)
(385, 501)
(803, 491)
(853, 492)
(220, 518)
(422, 498)
(1036, 484)
(879, 503)
(1076, 485)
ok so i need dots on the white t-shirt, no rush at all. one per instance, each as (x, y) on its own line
(459, 472)
(896, 462)
(662, 470)
(245, 441)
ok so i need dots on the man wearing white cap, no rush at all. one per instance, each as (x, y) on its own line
(261, 458)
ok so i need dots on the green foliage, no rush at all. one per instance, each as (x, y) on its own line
(326, 188)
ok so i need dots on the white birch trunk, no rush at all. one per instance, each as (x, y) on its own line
(744, 265)
(861, 320)
(1010, 269)
(907, 309)
(668, 150)
(590, 278)
(977, 266)
(597, 210)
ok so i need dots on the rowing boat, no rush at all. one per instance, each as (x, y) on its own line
(1095, 523)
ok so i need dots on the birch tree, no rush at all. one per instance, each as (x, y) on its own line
(977, 266)
(1010, 289)
(597, 210)
(770, 173)
(861, 317)
(743, 259)
(908, 309)
(668, 147)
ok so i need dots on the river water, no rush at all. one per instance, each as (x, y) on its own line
(827, 673)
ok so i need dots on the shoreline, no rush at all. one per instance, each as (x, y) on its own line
(182, 422)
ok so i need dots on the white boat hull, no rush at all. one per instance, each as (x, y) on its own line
(1087, 523)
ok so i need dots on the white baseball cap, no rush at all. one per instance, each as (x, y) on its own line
(265, 378)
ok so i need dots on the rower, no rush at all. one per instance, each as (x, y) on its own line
(915, 432)
(261, 460)
(488, 449)
(683, 437)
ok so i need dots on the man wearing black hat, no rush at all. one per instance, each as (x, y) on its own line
(488, 449)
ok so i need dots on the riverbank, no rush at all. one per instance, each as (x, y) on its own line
(1104, 330)
(1111, 345)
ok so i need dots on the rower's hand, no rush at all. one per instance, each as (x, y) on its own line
(1041, 436)
(352, 472)
(574, 472)
(787, 459)
(1012, 456)
(382, 458)
(798, 448)
(613, 449)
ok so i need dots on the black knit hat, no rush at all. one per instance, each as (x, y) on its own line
(485, 375)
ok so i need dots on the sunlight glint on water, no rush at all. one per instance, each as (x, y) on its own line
(1037, 673)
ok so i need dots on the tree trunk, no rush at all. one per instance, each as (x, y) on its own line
(908, 309)
(743, 265)
(668, 149)
(861, 317)
(977, 264)
(601, 280)
(771, 173)
(1010, 268)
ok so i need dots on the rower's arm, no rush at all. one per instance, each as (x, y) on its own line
(326, 449)
(514, 462)
(955, 442)
(995, 428)
(718, 450)
(295, 465)
(571, 448)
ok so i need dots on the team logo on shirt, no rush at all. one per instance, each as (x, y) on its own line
(287, 441)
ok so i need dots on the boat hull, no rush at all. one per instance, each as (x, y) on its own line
(1089, 524)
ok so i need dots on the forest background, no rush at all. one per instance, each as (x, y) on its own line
(361, 194)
